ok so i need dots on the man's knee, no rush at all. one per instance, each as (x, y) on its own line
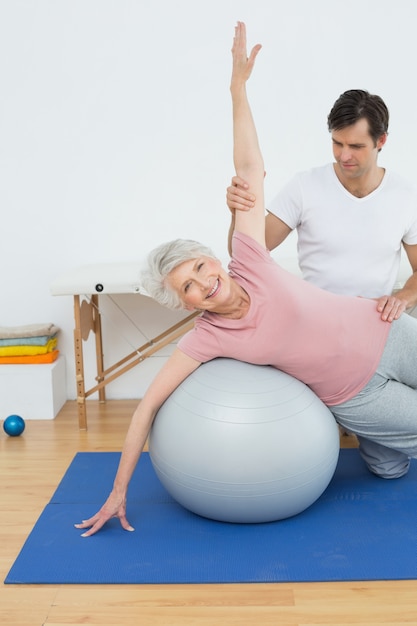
(382, 461)
(389, 471)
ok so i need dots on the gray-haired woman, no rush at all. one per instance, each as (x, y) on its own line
(257, 312)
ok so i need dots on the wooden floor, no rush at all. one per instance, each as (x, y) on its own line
(31, 467)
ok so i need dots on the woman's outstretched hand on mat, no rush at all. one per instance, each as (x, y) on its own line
(115, 506)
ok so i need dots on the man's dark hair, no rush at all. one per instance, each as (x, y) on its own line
(357, 104)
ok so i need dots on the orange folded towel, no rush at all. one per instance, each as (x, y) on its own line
(49, 357)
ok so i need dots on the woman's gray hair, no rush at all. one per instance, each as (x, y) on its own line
(161, 261)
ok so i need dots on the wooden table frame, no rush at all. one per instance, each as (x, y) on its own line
(87, 319)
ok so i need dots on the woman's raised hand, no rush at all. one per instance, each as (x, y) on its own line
(242, 64)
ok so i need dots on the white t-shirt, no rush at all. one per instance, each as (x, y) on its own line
(348, 245)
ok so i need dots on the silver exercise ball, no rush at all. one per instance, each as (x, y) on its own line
(244, 443)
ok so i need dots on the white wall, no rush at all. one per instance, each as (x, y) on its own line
(115, 130)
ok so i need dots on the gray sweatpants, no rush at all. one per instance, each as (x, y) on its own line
(384, 414)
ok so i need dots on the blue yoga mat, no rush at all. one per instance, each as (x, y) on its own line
(361, 528)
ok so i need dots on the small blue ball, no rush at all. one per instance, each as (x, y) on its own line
(14, 425)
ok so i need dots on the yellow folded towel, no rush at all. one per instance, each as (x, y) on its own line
(28, 350)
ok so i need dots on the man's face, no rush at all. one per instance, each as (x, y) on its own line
(355, 151)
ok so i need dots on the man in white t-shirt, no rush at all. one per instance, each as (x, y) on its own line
(353, 218)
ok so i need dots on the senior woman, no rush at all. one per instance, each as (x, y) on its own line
(362, 367)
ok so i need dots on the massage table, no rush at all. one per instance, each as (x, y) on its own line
(87, 284)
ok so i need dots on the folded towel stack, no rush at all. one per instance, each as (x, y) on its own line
(35, 343)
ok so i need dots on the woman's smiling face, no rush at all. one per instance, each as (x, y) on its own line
(201, 283)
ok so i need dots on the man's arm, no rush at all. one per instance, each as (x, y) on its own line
(408, 293)
(238, 198)
(391, 307)
(275, 231)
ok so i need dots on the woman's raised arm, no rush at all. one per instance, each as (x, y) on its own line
(247, 155)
